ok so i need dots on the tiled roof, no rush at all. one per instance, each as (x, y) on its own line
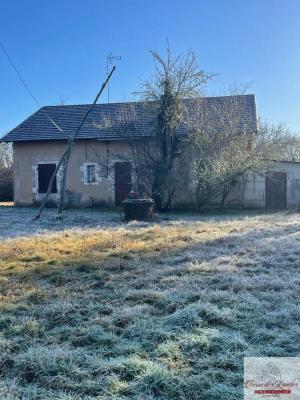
(132, 120)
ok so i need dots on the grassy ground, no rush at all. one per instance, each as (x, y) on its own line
(147, 311)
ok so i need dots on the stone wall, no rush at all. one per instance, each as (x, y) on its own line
(79, 192)
(103, 155)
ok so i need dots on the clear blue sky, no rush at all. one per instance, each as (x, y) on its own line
(60, 47)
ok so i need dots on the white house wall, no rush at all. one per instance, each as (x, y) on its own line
(293, 183)
(255, 186)
(254, 190)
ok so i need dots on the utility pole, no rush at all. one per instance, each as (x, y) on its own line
(109, 61)
(66, 156)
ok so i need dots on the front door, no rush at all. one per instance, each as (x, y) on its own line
(122, 181)
(276, 197)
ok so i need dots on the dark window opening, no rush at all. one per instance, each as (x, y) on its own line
(91, 173)
(45, 172)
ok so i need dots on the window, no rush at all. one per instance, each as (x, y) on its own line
(91, 173)
(45, 172)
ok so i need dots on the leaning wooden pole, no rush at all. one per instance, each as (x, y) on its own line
(66, 156)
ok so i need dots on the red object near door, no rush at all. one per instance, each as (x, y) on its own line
(122, 181)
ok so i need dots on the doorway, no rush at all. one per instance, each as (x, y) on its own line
(122, 181)
(276, 193)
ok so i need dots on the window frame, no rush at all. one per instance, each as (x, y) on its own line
(90, 167)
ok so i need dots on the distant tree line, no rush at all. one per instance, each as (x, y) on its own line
(6, 173)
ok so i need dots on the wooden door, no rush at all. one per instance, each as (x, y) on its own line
(276, 196)
(122, 181)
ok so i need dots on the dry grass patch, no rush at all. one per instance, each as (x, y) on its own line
(71, 248)
(6, 203)
(147, 311)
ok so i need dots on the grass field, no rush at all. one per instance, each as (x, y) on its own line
(95, 309)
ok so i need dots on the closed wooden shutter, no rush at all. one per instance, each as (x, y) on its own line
(45, 172)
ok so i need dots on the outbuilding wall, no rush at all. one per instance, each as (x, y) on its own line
(255, 185)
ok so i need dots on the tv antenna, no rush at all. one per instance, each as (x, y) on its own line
(110, 58)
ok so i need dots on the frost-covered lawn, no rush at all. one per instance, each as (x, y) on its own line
(19, 221)
(95, 309)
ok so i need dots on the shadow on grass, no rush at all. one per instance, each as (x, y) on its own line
(149, 312)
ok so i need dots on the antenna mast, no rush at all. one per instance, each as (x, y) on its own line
(109, 61)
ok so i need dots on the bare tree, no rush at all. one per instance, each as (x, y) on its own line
(223, 155)
(62, 100)
(291, 152)
(175, 79)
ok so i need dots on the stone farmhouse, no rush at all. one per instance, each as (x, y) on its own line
(101, 171)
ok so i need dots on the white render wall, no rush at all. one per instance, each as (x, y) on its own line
(293, 183)
(254, 191)
(255, 186)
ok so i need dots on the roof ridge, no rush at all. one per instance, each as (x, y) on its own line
(147, 101)
(98, 104)
(37, 127)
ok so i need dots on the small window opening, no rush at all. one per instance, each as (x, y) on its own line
(91, 173)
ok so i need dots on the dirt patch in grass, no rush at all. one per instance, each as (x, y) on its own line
(147, 311)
